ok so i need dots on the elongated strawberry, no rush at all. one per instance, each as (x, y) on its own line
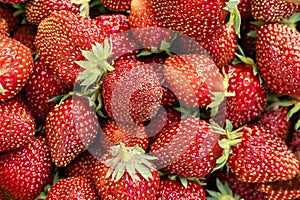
(131, 92)
(25, 171)
(15, 67)
(188, 149)
(277, 57)
(126, 173)
(117, 5)
(26, 34)
(60, 40)
(73, 188)
(70, 127)
(42, 86)
(17, 125)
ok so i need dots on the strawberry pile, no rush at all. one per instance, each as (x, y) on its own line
(149, 99)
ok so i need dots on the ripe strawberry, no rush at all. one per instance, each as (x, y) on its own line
(7, 13)
(37, 10)
(3, 27)
(126, 173)
(117, 5)
(73, 188)
(42, 86)
(26, 34)
(262, 157)
(13, 1)
(248, 41)
(250, 96)
(173, 189)
(25, 171)
(272, 10)
(193, 18)
(188, 149)
(193, 78)
(70, 127)
(60, 40)
(15, 67)
(130, 134)
(131, 92)
(244, 7)
(17, 125)
(280, 72)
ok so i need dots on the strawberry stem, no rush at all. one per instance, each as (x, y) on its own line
(235, 17)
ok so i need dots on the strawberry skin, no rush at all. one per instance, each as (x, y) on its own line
(17, 125)
(262, 157)
(3, 27)
(25, 171)
(73, 188)
(15, 67)
(277, 55)
(26, 34)
(70, 127)
(117, 5)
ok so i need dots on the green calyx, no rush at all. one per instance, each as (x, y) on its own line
(224, 194)
(292, 21)
(2, 90)
(131, 160)
(184, 181)
(234, 15)
(84, 7)
(230, 138)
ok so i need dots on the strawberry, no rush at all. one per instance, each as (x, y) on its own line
(193, 78)
(173, 189)
(126, 173)
(17, 125)
(250, 96)
(248, 38)
(70, 127)
(188, 149)
(60, 39)
(37, 10)
(15, 67)
(42, 86)
(26, 34)
(131, 92)
(3, 27)
(295, 144)
(130, 134)
(244, 7)
(25, 171)
(7, 13)
(272, 10)
(73, 188)
(117, 5)
(279, 71)
(13, 1)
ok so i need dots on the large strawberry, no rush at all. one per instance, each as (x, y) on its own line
(126, 173)
(15, 67)
(70, 127)
(73, 188)
(278, 58)
(25, 171)
(17, 125)
(189, 148)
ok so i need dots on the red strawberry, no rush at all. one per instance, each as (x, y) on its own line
(73, 188)
(131, 92)
(13, 1)
(60, 40)
(193, 78)
(295, 144)
(188, 149)
(26, 34)
(173, 189)
(244, 7)
(126, 173)
(15, 67)
(17, 125)
(130, 134)
(3, 27)
(248, 38)
(37, 10)
(70, 127)
(117, 5)
(278, 58)
(250, 96)
(7, 13)
(272, 10)
(25, 171)
(42, 86)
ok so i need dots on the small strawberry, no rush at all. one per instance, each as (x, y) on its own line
(272, 10)
(7, 13)
(25, 171)
(70, 127)
(73, 188)
(117, 5)
(3, 27)
(15, 67)
(17, 125)
(126, 173)
(188, 149)
(26, 34)
(277, 57)
(129, 134)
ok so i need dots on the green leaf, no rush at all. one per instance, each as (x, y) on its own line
(2, 90)
(294, 110)
(297, 125)
(183, 181)
(145, 172)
